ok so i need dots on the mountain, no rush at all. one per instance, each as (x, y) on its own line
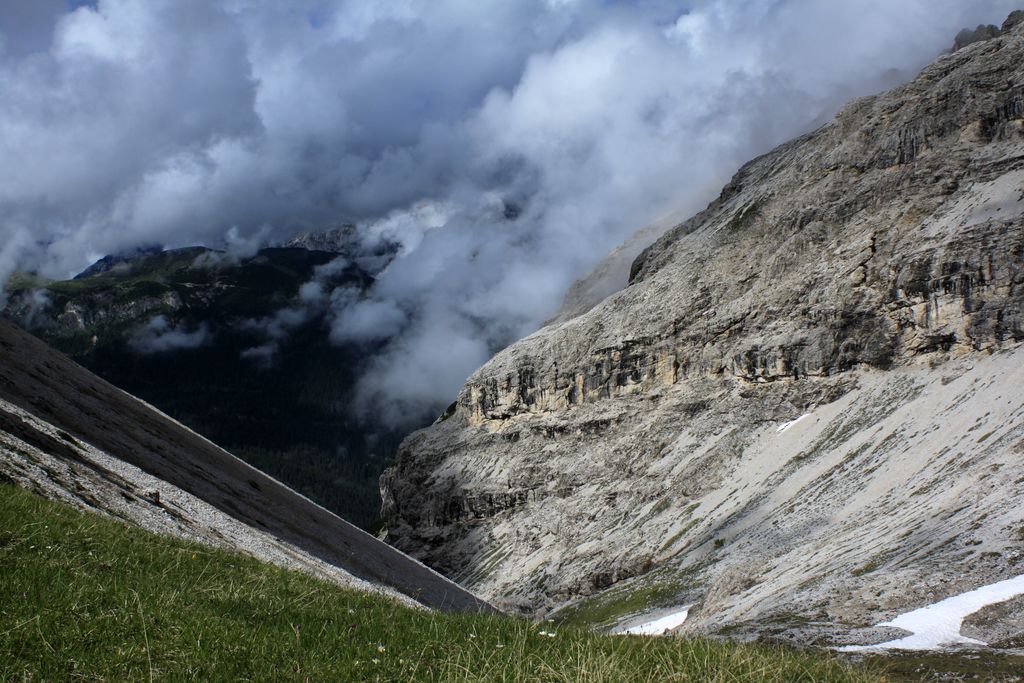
(237, 348)
(71, 436)
(88, 593)
(802, 417)
(340, 240)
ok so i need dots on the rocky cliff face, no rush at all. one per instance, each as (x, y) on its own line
(985, 32)
(868, 275)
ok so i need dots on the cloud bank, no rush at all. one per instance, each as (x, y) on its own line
(160, 336)
(504, 146)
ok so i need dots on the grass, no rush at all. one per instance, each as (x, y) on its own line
(86, 597)
(744, 217)
(674, 538)
(651, 591)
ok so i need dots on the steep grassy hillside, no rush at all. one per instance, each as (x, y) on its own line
(85, 597)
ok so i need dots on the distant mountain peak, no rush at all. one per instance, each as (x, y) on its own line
(986, 31)
(118, 260)
(343, 239)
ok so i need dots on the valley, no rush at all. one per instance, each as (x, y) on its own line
(230, 347)
(778, 439)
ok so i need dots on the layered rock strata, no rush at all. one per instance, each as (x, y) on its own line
(869, 274)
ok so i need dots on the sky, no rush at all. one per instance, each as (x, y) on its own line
(506, 146)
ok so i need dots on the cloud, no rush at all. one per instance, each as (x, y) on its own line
(160, 336)
(28, 308)
(401, 386)
(504, 147)
(237, 248)
(359, 319)
(37, 301)
(275, 328)
(262, 355)
(16, 244)
(27, 27)
(315, 299)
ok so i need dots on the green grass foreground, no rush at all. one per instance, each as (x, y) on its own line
(83, 597)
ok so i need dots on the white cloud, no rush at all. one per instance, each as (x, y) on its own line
(160, 336)
(504, 146)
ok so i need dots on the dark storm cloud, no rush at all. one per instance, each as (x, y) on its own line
(505, 146)
(27, 26)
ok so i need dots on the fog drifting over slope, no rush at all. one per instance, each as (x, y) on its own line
(505, 145)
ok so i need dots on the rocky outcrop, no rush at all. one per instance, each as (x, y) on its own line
(969, 37)
(987, 31)
(632, 454)
(341, 240)
(870, 240)
(371, 252)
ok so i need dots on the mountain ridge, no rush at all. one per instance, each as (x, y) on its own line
(850, 273)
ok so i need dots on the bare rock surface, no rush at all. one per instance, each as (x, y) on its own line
(803, 416)
(969, 37)
(1000, 625)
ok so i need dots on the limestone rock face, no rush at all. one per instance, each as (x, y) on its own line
(967, 36)
(985, 32)
(868, 276)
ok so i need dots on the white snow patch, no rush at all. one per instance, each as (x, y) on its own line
(789, 424)
(661, 625)
(938, 625)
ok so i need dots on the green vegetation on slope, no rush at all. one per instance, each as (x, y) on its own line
(651, 591)
(88, 597)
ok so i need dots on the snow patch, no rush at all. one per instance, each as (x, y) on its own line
(938, 625)
(659, 626)
(789, 424)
